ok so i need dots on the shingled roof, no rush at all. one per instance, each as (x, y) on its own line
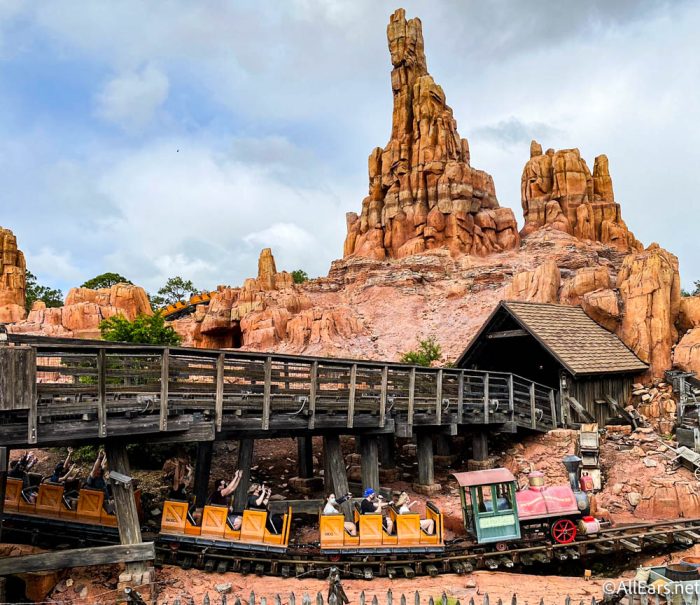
(578, 342)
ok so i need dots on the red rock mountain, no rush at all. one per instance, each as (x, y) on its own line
(13, 282)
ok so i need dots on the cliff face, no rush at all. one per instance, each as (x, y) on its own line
(423, 192)
(13, 281)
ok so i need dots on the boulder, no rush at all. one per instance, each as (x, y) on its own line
(669, 498)
(540, 285)
(686, 355)
(689, 313)
(586, 279)
(602, 306)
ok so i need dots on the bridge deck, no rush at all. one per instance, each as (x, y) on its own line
(66, 390)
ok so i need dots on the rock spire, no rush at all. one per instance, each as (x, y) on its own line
(423, 192)
(13, 279)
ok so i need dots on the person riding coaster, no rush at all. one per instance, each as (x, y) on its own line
(332, 507)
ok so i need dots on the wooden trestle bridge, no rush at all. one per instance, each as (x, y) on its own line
(57, 391)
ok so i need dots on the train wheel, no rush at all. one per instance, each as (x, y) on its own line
(564, 531)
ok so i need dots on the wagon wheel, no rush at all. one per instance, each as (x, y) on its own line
(501, 546)
(563, 531)
(696, 472)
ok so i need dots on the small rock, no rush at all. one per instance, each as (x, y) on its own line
(69, 582)
(617, 488)
(634, 498)
(223, 588)
(156, 511)
(650, 463)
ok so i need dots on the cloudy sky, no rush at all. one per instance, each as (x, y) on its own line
(180, 137)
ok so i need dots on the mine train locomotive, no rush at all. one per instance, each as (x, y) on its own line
(495, 511)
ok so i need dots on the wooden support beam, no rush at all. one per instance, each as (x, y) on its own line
(4, 461)
(533, 409)
(245, 462)
(369, 463)
(460, 397)
(507, 334)
(202, 472)
(383, 395)
(164, 385)
(620, 411)
(438, 397)
(77, 557)
(424, 451)
(480, 446)
(267, 399)
(553, 407)
(219, 396)
(305, 457)
(486, 399)
(101, 393)
(351, 395)
(580, 410)
(313, 380)
(387, 451)
(511, 399)
(411, 396)
(337, 479)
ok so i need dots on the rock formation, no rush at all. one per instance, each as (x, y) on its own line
(423, 192)
(80, 317)
(13, 281)
(686, 355)
(540, 285)
(689, 313)
(558, 189)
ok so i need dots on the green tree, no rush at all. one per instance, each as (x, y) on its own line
(145, 329)
(428, 351)
(696, 289)
(106, 280)
(300, 276)
(175, 290)
(50, 296)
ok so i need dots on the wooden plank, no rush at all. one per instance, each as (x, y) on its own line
(411, 396)
(369, 461)
(219, 397)
(101, 393)
(553, 407)
(511, 401)
(460, 398)
(507, 334)
(583, 412)
(337, 480)
(246, 448)
(438, 397)
(382, 396)
(351, 396)
(164, 385)
(533, 409)
(266, 394)
(77, 557)
(123, 495)
(486, 399)
(313, 380)
(424, 452)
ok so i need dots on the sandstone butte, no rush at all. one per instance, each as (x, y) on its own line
(432, 253)
(12, 279)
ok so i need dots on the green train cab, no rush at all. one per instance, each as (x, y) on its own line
(489, 507)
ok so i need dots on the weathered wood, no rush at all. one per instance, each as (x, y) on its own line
(123, 495)
(387, 451)
(78, 557)
(266, 394)
(480, 445)
(424, 452)
(246, 448)
(533, 408)
(580, 410)
(219, 396)
(164, 384)
(460, 397)
(4, 461)
(438, 397)
(507, 334)
(369, 463)
(351, 395)
(17, 377)
(383, 395)
(305, 455)
(487, 407)
(553, 408)
(202, 472)
(335, 468)
(511, 400)
(313, 380)
(411, 396)
(101, 393)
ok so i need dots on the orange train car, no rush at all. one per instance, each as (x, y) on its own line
(373, 537)
(177, 524)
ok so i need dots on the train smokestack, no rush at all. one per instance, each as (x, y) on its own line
(573, 464)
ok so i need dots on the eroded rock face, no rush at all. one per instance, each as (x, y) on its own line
(650, 291)
(665, 497)
(558, 189)
(602, 306)
(587, 279)
(540, 285)
(423, 192)
(689, 313)
(686, 355)
(13, 281)
(83, 311)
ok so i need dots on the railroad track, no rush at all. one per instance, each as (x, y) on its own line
(460, 556)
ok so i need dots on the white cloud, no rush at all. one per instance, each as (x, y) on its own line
(131, 99)
(50, 265)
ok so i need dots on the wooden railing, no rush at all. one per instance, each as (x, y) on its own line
(95, 381)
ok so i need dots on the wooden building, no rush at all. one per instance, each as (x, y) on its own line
(561, 347)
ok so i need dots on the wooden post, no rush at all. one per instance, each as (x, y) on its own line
(511, 399)
(460, 397)
(438, 397)
(351, 395)
(4, 461)
(305, 457)
(124, 502)
(337, 480)
(18, 384)
(426, 470)
(101, 393)
(533, 416)
(164, 384)
(313, 379)
(442, 445)
(219, 401)
(411, 396)
(369, 464)
(486, 399)
(202, 471)
(387, 451)
(245, 462)
(480, 445)
(553, 407)
(382, 396)
(267, 387)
